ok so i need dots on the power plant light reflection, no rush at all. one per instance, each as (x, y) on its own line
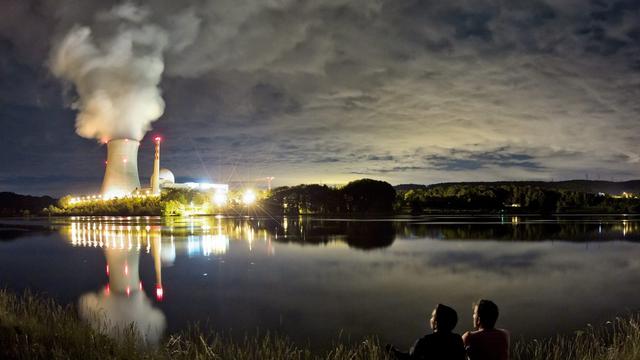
(123, 240)
(198, 236)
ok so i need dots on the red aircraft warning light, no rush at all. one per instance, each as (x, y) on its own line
(157, 139)
(159, 292)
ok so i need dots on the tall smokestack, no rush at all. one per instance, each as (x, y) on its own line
(155, 177)
(121, 176)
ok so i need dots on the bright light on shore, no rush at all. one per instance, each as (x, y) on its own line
(219, 198)
(249, 197)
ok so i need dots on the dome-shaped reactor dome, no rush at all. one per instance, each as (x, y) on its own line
(166, 176)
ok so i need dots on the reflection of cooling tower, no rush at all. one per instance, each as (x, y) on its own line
(121, 175)
(124, 276)
(124, 306)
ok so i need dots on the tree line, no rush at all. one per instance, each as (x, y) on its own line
(364, 196)
(359, 197)
(510, 196)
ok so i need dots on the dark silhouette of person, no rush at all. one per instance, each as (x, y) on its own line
(442, 344)
(486, 342)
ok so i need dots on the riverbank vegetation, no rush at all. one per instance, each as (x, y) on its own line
(512, 197)
(32, 327)
(357, 197)
(360, 197)
(171, 202)
(363, 196)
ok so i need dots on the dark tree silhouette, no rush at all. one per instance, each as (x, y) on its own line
(368, 196)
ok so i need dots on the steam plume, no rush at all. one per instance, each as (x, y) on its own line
(116, 66)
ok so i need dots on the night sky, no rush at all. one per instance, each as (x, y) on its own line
(335, 90)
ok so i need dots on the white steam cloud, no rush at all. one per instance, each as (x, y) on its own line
(116, 66)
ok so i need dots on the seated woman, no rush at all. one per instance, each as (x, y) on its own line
(442, 344)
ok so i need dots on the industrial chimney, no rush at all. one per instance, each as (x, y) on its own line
(121, 176)
(155, 177)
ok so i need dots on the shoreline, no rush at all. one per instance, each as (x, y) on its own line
(36, 327)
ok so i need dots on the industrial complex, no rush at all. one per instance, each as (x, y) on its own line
(121, 179)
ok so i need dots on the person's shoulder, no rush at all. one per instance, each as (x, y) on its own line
(467, 336)
(504, 332)
(428, 338)
(471, 333)
(439, 337)
(425, 339)
(422, 343)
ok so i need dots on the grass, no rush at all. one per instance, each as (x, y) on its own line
(33, 327)
(616, 340)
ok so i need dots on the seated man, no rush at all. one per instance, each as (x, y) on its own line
(442, 344)
(486, 342)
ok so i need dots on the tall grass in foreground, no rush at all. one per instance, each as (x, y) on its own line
(32, 327)
(616, 340)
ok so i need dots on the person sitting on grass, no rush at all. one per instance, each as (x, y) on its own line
(442, 344)
(486, 342)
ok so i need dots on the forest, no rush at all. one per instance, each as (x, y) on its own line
(359, 197)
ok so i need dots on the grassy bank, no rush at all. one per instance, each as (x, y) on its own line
(32, 327)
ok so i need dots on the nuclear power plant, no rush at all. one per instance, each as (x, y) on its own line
(121, 178)
(121, 174)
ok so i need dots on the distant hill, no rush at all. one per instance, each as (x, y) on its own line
(588, 186)
(12, 204)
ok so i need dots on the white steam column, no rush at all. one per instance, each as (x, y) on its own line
(155, 177)
(121, 176)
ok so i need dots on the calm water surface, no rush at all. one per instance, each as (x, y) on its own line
(308, 277)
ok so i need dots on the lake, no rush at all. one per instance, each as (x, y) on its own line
(311, 278)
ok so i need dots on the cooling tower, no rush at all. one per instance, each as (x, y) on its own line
(121, 175)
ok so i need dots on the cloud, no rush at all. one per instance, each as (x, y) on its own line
(115, 67)
(469, 160)
(406, 91)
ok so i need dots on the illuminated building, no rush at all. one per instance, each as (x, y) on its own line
(121, 178)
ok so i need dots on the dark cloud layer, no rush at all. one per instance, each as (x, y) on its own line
(406, 91)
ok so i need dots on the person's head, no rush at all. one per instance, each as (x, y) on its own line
(485, 314)
(443, 318)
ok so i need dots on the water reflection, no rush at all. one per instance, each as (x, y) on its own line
(124, 240)
(123, 302)
(364, 235)
(523, 229)
(226, 270)
(206, 236)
